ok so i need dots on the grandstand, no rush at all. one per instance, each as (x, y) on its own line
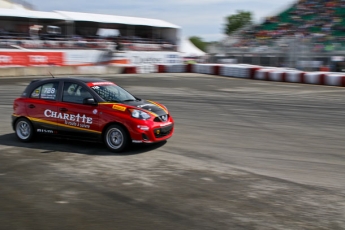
(309, 30)
(37, 25)
(138, 40)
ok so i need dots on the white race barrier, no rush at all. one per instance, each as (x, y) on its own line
(335, 79)
(180, 68)
(226, 70)
(294, 76)
(263, 74)
(172, 68)
(277, 75)
(232, 70)
(314, 78)
(203, 68)
(238, 71)
(146, 68)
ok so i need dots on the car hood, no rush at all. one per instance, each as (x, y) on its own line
(149, 106)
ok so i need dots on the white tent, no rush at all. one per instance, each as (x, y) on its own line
(188, 49)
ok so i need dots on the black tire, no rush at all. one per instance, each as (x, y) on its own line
(116, 138)
(24, 130)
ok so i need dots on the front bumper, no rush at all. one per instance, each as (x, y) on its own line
(152, 132)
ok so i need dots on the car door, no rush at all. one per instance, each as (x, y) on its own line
(41, 107)
(78, 120)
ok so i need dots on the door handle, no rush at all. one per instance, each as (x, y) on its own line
(63, 109)
(31, 106)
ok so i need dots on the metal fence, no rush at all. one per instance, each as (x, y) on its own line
(307, 54)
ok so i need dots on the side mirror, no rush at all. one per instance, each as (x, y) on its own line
(89, 101)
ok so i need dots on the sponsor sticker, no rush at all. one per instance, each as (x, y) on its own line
(45, 131)
(36, 94)
(91, 84)
(78, 120)
(119, 107)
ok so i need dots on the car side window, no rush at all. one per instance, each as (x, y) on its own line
(47, 91)
(75, 93)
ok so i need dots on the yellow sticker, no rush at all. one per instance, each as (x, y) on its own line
(119, 107)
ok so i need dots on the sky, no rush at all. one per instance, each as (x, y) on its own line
(201, 18)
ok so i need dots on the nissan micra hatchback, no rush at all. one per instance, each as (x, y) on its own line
(89, 109)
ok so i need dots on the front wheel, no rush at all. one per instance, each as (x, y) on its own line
(116, 138)
(24, 130)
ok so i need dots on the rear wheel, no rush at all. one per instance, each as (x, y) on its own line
(24, 130)
(116, 138)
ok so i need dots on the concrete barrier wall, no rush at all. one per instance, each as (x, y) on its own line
(63, 70)
(9, 72)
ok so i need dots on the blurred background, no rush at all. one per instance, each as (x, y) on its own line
(308, 35)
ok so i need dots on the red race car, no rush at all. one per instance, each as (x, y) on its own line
(89, 109)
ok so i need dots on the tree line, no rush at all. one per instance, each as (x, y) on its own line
(232, 23)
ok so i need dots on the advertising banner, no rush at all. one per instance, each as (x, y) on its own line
(35, 58)
(153, 58)
(13, 59)
(72, 57)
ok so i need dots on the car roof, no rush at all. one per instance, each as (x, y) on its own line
(85, 79)
(80, 79)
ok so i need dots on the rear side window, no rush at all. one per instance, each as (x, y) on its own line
(74, 93)
(47, 91)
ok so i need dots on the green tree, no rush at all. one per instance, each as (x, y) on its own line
(198, 42)
(236, 21)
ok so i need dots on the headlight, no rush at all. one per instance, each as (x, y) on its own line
(139, 114)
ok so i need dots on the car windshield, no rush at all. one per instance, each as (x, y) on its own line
(113, 93)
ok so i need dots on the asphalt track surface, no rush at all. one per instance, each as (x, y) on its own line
(246, 154)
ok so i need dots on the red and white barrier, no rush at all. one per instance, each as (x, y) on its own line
(139, 69)
(204, 68)
(258, 73)
(226, 70)
(173, 68)
(278, 74)
(238, 71)
(263, 74)
(316, 78)
(294, 76)
(129, 69)
(335, 79)
(147, 68)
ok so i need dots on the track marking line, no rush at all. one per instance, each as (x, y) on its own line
(61, 202)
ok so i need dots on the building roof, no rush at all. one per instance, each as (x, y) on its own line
(77, 16)
(104, 18)
(23, 13)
